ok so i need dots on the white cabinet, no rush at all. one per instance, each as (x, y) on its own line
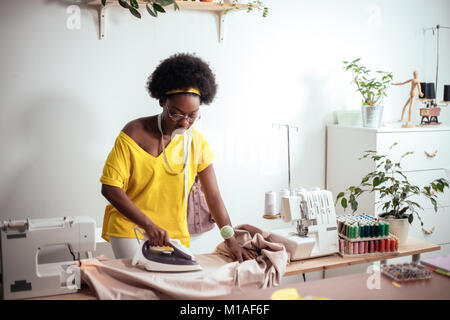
(430, 160)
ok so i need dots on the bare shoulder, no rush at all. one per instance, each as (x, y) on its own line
(141, 131)
(133, 127)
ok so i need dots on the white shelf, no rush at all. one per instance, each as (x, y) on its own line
(215, 7)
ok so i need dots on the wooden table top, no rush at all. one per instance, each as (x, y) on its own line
(354, 287)
(413, 246)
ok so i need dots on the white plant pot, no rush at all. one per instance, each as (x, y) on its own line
(399, 228)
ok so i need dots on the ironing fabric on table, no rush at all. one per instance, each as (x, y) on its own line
(150, 170)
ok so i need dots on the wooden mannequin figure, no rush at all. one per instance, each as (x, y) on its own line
(412, 97)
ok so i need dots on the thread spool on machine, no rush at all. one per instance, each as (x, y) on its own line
(272, 204)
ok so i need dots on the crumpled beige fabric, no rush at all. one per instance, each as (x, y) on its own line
(269, 266)
(118, 279)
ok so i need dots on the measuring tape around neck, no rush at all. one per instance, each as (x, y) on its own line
(185, 156)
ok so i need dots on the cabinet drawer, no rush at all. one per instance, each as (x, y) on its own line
(435, 143)
(440, 221)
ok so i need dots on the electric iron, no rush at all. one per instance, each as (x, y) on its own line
(160, 259)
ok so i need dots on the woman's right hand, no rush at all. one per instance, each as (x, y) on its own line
(157, 236)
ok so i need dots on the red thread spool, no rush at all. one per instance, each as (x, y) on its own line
(371, 247)
(393, 245)
(377, 245)
(381, 245)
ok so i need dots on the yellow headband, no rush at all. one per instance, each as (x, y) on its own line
(189, 90)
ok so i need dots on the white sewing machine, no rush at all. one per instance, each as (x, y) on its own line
(21, 241)
(315, 233)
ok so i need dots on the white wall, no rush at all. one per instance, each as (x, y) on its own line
(65, 94)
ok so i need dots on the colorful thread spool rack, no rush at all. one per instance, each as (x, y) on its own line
(406, 271)
(353, 248)
(362, 234)
(362, 227)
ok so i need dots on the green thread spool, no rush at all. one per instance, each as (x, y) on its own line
(366, 230)
(382, 229)
(387, 229)
(227, 232)
(356, 227)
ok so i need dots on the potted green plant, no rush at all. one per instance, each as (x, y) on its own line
(395, 192)
(372, 88)
(152, 6)
(157, 6)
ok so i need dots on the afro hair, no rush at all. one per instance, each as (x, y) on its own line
(182, 71)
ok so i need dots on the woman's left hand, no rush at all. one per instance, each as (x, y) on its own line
(239, 253)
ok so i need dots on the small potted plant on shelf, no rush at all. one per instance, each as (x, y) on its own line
(373, 90)
(395, 192)
(157, 6)
(152, 6)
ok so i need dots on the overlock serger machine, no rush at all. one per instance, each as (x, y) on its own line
(21, 242)
(315, 231)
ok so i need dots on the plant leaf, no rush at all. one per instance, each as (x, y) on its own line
(134, 4)
(340, 195)
(401, 212)
(434, 202)
(376, 181)
(124, 4)
(344, 203)
(150, 11)
(406, 154)
(134, 12)
(157, 7)
(354, 205)
(164, 2)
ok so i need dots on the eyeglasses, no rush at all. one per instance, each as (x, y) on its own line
(178, 117)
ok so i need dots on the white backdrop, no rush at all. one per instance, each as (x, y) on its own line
(65, 94)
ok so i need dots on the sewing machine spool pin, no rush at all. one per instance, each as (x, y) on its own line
(288, 127)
